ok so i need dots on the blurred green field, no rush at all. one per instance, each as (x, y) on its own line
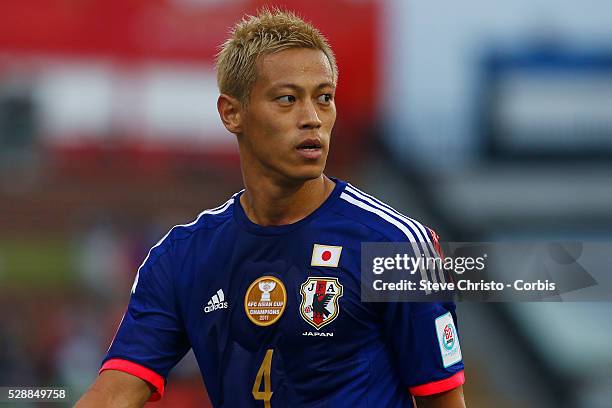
(36, 263)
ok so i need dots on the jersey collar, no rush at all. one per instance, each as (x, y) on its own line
(241, 218)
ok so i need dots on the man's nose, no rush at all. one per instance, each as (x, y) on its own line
(309, 117)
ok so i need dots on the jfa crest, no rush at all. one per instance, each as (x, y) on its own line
(320, 296)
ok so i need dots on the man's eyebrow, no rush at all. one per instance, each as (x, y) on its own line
(299, 88)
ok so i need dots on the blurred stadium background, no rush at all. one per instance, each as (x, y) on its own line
(485, 120)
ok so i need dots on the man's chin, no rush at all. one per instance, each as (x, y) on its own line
(311, 174)
(305, 175)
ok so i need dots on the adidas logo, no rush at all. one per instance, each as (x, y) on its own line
(216, 302)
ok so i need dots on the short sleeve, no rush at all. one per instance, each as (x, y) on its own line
(424, 342)
(151, 338)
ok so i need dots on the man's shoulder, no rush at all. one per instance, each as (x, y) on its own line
(178, 238)
(207, 220)
(383, 221)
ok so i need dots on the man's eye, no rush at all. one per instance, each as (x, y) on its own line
(286, 99)
(325, 98)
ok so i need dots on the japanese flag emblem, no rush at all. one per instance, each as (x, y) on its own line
(325, 255)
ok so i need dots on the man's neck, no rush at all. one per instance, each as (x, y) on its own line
(267, 203)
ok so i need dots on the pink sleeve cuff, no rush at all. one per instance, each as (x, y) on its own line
(439, 386)
(139, 371)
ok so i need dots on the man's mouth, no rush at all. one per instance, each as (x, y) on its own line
(309, 144)
(310, 148)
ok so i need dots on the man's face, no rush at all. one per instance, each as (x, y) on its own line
(287, 124)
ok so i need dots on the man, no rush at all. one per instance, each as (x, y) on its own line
(266, 287)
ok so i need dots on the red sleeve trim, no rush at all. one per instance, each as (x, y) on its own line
(439, 386)
(435, 238)
(139, 371)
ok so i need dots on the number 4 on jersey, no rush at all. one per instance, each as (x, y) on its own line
(264, 371)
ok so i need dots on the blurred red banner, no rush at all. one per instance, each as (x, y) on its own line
(135, 31)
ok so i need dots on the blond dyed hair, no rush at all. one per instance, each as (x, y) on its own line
(268, 32)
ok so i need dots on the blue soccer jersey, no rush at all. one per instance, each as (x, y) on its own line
(274, 315)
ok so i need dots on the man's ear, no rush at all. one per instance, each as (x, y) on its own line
(230, 111)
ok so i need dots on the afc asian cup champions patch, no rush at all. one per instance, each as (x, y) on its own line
(450, 350)
(265, 300)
